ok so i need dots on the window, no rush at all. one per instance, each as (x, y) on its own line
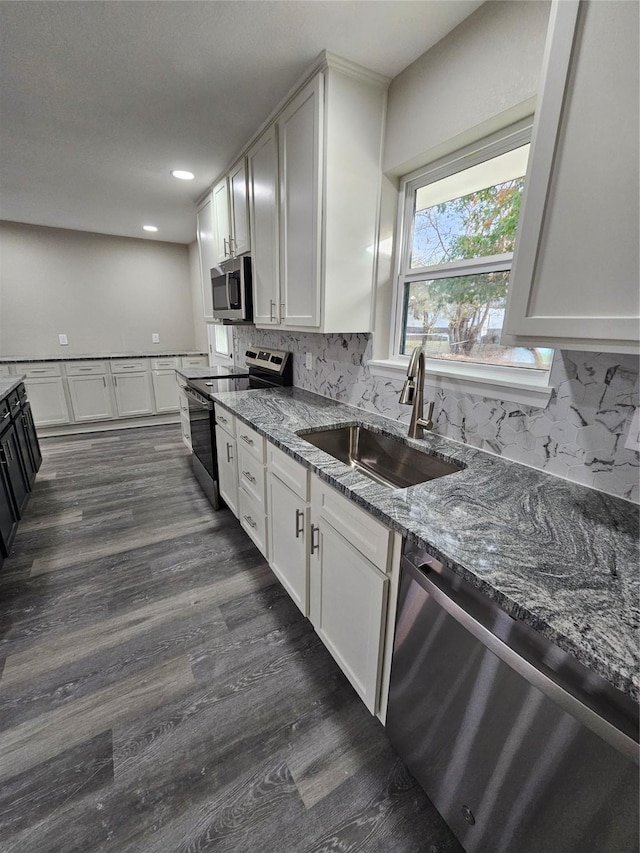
(458, 233)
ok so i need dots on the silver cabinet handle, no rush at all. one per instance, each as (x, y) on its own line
(4, 417)
(115, 381)
(8, 451)
(222, 420)
(84, 369)
(272, 319)
(42, 370)
(104, 382)
(232, 247)
(315, 543)
(247, 440)
(249, 476)
(299, 523)
(224, 246)
(250, 521)
(229, 454)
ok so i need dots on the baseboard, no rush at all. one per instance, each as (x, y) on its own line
(107, 426)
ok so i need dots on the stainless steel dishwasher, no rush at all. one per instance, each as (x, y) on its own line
(519, 746)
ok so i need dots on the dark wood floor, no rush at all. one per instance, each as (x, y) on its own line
(160, 692)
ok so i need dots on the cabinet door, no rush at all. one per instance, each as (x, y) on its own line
(207, 255)
(288, 516)
(11, 460)
(32, 436)
(48, 401)
(90, 398)
(28, 461)
(165, 390)
(227, 469)
(575, 273)
(262, 163)
(300, 134)
(220, 197)
(239, 208)
(133, 394)
(347, 609)
(8, 514)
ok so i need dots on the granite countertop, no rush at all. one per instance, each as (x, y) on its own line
(210, 372)
(558, 556)
(9, 384)
(15, 359)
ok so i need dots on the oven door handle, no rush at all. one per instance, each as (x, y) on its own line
(204, 404)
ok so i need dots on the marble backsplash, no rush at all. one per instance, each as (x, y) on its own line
(579, 436)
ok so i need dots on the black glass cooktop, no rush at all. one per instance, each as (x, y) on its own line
(214, 386)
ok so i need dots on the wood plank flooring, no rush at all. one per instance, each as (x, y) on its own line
(160, 692)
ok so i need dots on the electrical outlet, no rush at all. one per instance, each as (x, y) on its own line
(155, 338)
(308, 360)
(63, 340)
(633, 439)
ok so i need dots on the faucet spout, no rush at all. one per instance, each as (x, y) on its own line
(412, 394)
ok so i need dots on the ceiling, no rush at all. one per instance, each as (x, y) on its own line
(100, 100)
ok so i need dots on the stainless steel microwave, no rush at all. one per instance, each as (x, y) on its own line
(231, 288)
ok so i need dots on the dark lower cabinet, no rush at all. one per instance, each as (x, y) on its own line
(20, 459)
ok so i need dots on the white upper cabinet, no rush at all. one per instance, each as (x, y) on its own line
(314, 186)
(221, 245)
(207, 254)
(262, 161)
(574, 282)
(239, 209)
(299, 137)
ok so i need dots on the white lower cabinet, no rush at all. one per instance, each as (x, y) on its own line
(164, 390)
(133, 394)
(183, 404)
(90, 398)
(48, 401)
(335, 561)
(227, 469)
(288, 533)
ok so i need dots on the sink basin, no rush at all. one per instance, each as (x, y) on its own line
(383, 458)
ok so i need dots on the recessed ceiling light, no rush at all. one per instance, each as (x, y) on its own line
(149, 227)
(182, 175)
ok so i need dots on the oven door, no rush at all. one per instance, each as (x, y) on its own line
(202, 434)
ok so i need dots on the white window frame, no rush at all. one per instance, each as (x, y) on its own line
(514, 384)
(216, 356)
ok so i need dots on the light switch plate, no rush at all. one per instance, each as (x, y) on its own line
(63, 340)
(155, 338)
(633, 439)
(308, 360)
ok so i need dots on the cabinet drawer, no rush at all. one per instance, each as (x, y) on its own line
(359, 528)
(85, 368)
(225, 420)
(195, 361)
(131, 365)
(253, 520)
(291, 473)
(251, 475)
(250, 440)
(39, 370)
(162, 363)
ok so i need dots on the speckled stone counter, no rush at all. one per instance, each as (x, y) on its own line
(9, 384)
(23, 359)
(558, 556)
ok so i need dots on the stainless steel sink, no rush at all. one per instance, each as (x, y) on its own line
(383, 458)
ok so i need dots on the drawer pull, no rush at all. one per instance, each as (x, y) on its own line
(229, 454)
(315, 544)
(250, 521)
(247, 440)
(4, 417)
(104, 382)
(43, 370)
(299, 523)
(249, 476)
(222, 420)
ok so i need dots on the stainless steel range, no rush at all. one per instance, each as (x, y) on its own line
(267, 368)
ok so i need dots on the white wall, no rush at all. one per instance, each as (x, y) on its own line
(481, 77)
(107, 294)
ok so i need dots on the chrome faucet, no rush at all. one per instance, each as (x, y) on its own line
(412, 394)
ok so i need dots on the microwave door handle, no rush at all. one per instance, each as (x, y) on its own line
(226, 278)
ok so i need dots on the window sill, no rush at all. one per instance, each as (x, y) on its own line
(511, 384)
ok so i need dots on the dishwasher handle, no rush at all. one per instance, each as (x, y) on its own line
(450, 593)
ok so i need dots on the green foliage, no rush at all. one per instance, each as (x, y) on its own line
(477, 225)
